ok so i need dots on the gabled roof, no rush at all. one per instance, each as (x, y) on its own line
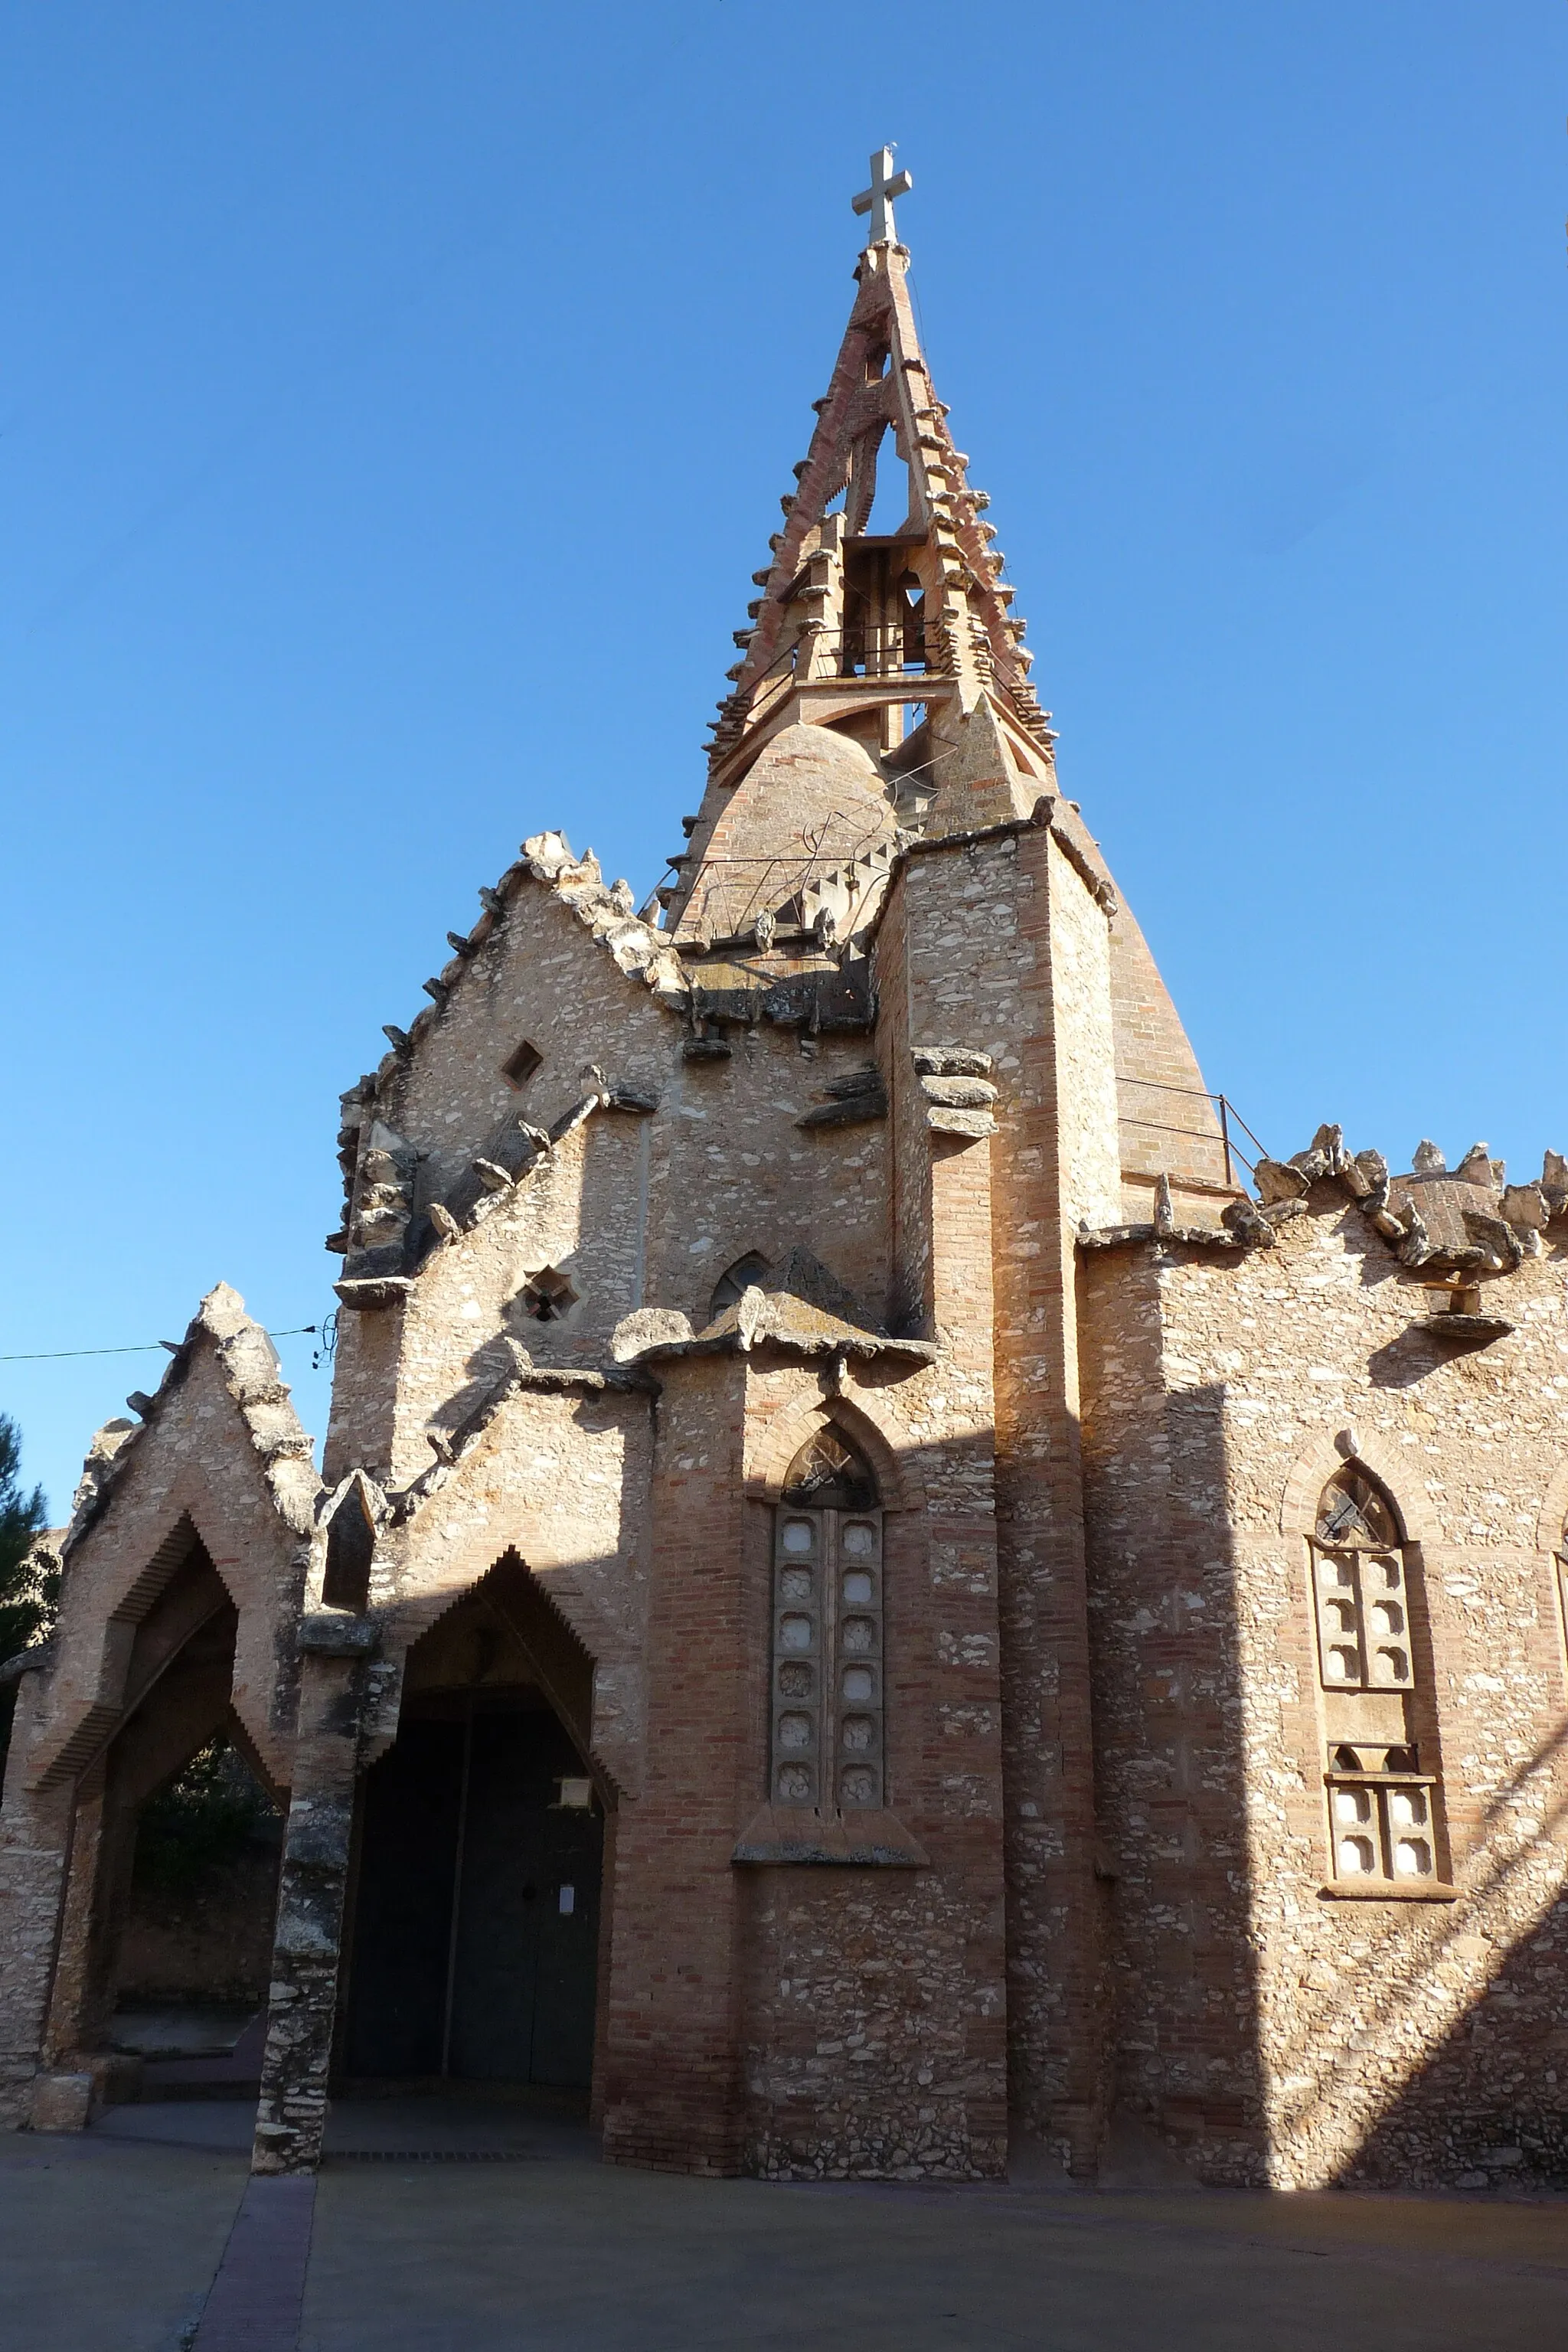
(253, 1376)
(605, 909)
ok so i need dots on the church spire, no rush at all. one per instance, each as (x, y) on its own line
(868, 610)
(883, 685)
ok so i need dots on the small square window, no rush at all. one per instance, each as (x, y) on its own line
(521, 1064)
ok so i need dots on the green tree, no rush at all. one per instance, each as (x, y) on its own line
(202, 1821)
(29, 1582)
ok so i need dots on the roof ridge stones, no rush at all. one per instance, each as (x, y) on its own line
(607, 909)
(252, 1374)
(1453, 1236)
(1491, 1235)
(381, 1274)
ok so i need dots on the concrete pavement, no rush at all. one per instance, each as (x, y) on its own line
(469, 2227)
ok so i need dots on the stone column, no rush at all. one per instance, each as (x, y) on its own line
(307, 1949)
(36, 1832)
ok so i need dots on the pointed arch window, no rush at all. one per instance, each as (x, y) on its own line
(1364, 1632)
(911, 608)
(1385, 1829)
(736, 1280)
(351, 1553)
(827, 1711)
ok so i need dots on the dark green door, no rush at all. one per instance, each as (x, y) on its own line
(478, 1912)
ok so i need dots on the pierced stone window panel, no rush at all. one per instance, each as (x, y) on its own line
(548, 1295)
(827, 1702)
(829, 1473)
(1384, 1812)
(858, 1661)
(1383, 1830)
(1353, 1509)
(799, 1655)
(1364, 1621)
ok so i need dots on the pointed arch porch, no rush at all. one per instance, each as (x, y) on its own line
(476, 1916)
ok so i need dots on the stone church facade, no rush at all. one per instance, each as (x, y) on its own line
(929, 1607)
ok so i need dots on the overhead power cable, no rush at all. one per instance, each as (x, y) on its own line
(139, 1348)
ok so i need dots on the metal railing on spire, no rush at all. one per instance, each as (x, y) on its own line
(1229, 1116)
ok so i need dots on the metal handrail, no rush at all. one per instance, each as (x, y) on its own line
(891, 633)
(1228, 1111)
(1199, 1093)
(804, 866)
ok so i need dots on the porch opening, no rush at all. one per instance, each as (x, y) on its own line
(165, 1951)
(476, 1893)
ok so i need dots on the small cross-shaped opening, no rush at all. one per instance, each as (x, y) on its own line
(548, 1295)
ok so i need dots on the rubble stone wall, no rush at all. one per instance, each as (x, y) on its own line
(733, 1170)
(541, 977)
(1275, 2032)
(563, 1481)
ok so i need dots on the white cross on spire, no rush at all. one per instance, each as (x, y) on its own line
(877, 199)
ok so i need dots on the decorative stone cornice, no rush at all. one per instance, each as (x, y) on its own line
(1464, 1220)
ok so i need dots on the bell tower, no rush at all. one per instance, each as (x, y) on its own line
(882, 618)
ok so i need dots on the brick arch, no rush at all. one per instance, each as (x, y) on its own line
(188, 1516)
(787, 1432)
(180, 1537)
(1390, 1464)
(556, 1650)
(188, 1512)
(82, 1737)
(614, 1760)
(1552, 1529)
(406, 1620)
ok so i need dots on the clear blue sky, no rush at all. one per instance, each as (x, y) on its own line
(396, 399)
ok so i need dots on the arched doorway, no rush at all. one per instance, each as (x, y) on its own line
(476, 1894)
(167, 1930)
